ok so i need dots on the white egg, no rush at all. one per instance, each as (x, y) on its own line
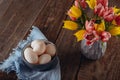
(50, 49)
(44, 58)
(30, 56)
(38, 46)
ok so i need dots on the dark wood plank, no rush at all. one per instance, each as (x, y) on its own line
(50, 20)
(9, 76)
(69, 55)
(16, 22)
(4, 5)
(107, 68)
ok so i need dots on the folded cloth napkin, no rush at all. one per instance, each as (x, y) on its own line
(15, 62)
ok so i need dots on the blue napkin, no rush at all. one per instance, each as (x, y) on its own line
(15, 62)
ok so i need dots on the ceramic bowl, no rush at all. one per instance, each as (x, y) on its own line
(40, 67)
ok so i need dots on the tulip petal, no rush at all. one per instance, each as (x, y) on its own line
(71, 15)
(76, 3)
(115, 31)
(76, 12)
(91, 3)
(101, 26)
(80, 34)
(90, 25)
(116, 10)
(70, 25)
(105, 36)
(114, 22)
(117, 20)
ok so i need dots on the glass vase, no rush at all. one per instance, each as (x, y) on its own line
(94, 51)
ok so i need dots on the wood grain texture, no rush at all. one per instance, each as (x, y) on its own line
(69, 55)
(9, 76)
(4, 5)
(16, 22)
(50, 20)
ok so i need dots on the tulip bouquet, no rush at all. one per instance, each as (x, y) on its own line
(101, 25)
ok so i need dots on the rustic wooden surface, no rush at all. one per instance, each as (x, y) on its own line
(16, 19)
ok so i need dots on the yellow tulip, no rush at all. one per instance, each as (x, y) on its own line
(115, 31)
(70, 25)
(114, 22)
(116, 10)
(74, 12)
(101, 27)
(91, 3)
(118, 14)
(80, 34)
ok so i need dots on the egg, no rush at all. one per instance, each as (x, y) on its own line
(38, 46)
(30, 56)
(44, 58)
(50, 49)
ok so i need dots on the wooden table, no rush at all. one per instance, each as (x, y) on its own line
(16, 19)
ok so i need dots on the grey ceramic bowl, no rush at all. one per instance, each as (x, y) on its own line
(41, 67)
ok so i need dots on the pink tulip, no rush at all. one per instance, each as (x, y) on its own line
(89, 25)
(108, 15)
(103, 2)
(81, 3)
(91, 37)
(117, 20)
(105, 36)
(99, 9)
(105, 12)
(76, 3)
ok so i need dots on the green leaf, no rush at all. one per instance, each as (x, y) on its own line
(98, 21)
(118, 36)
